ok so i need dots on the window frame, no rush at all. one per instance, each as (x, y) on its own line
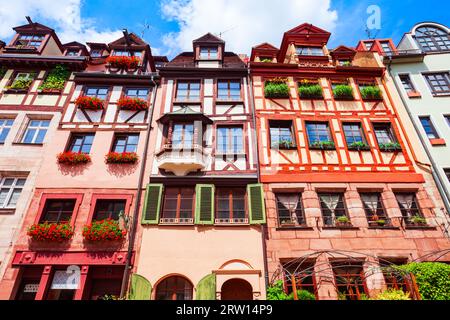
(5, 126)
(301, 210)
(125, 92)
(209, 50)
(176, 219)
(166, 290)
(380, 207)
(333, 215)
(409, 215)
(231, 219)
(446, 78)
(447, 173)
(183, 145)
(349, 276)
(188, 90)
(327, 123)
(69, 147)
(11, 188)
(230, 141)
(279, 124)
(360, 130)
(430, 41)
(407, 77)
(229, 97)
(127, 135)
(97, 88)
(311, 51)
(19, 39)
(78, 197)
(391, 132)
(97, 196)
(431, 127)
(37, 129)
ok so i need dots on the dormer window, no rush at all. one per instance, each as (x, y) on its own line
(121, 53)
(209, 53)
(368, 45)
(309, 51)
(30, 40)
(96, 53)
(73, 53)
(386, 46)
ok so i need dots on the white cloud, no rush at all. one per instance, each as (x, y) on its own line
(247, 22)
(62, 15)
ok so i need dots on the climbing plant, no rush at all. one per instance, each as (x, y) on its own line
(56, 79)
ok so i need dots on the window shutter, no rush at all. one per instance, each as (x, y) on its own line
(152, 206)
(257, 209)
(140, 288)
(206, 288)
(204, 204)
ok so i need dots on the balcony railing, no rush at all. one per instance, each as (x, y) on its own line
(176, 221)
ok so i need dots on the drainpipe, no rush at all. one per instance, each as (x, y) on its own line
(263, 227)
(445, 195)
(132, 237)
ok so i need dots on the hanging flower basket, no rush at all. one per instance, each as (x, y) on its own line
(104, 230)
(122, 158)
(132, 104)
(73, 158)
(124, 63)
(89, 103)
(55, 232)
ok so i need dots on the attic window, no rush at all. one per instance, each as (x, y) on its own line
(309, 51)
(124, 53)
(209, 53)
(73, 53)
(28, 40)
(368, 45)
(386, 46)
(96, 53)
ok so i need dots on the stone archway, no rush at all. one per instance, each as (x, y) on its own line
(236, 289)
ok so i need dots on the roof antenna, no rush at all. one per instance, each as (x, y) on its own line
(29, 20)
(145, 27)
(221, 33)
(370, 34)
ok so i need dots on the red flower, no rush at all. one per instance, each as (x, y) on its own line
(108, 230)
(51, 231)
(73, 158)
(121, 158)
(134, 104)
(89, 103)
(123, 62)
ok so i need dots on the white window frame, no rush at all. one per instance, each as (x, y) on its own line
(38, 129)
(11, 188)
(5, 126)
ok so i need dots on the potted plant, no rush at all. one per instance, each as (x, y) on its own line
(345, 63)
(323, 145)
(123, 62)
(54, 232)
(380, 222)
(286, 144)
(276, 88)
(390, 146)
(310, 90)
(418, 220)
(73, 158)
(266, 60)
(343, 92)
(104, 230)
(342, 221)
(132, 104)
(55, 81)
(121, 158)
(89, 103)
(287, 223)
(371, 93)
(359, 146)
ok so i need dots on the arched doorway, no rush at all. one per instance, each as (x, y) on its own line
(237, 289)
(174, 288)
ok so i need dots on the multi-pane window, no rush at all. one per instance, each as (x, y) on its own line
(29, 40)
(96, 53)
(230, 140)
(209, 53)
(309, 51)
(386, 46)
(81, 143)
(349, 280)
(230, 205)
(73, 53)
(174, 288)
(97, 92)
(125, 143)
(447, 173)
(290, 209)
(304, 276)
(407, 83)
(10, 190)
(392, 278)
(353, 133)
(108, 209)
(188, 91)
(121, 53)
(5, 127)
(178, 205)
(137, 93)
(281, 134)
(384, 133)
(368, 45)
(183, 135)
(432, 38)
(429, 128)
(229, 90)
(439, 83)
(333, 207)
(373, 206)
(318, 132)
(36, 131)
(408, 205)
(58, 211)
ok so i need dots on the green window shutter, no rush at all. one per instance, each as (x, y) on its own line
(206, 288)
(257, 208)
(152, 206)
(204, 204)
(140, 288)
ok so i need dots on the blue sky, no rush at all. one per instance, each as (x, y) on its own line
(173, 24)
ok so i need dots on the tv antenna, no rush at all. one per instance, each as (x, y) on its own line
(146, 26)
(371, 34)
(222, 32)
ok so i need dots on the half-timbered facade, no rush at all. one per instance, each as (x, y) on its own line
(339, 174)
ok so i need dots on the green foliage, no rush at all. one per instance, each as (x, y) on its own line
(390, 146)
(392, 294)
(56, 79)
(343, 219)
(433, 279)
(285, 144)
(325, 145)
(418, 220)
(266, 60)
(343, 91)
(276, 90)
(346, 63)
(21, 84)
(371, 92)
(276, 292)
(310, 90)
(303, 295)
(359, 146)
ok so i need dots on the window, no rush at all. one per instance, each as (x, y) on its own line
(368, 45)
(447, 173)
(448, 119)
(349, 280)
(209, 53)
(230, 140)
(188, 91)
(96, 53)
(290, 209)
(318, 132)
(229, 90)
(73, 53)
(230, 205)
(121, 53)
(304, 275)
(23, 80)
(407, 83)
(137, 93)
(408, 206)
(178, 205)
(183, 136)
(281, 134)
(373, 206)
(353, 133)
(333, 207)
(108, 209)
(58, 211)
(439, 83)
(125, 143)
(5, 127)
(10, 190)
(174, 288)
(432, 39)
(429, 128)
(35, 132)
(100, 93)
(392, 277)
(29, 40)
(386, 46)
(81, 143)
(384, 134)
(310, 51)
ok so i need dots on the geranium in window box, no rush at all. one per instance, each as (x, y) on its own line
(276, 89)
(323, 145)
(122, 158)
(132, 104)
(371, 93)
(123, 62)
(73, 158)
(359, 146)
(343, 92)
(310, 90)
(55, 232)
(390, 147)
(104, 230)
(89, 103)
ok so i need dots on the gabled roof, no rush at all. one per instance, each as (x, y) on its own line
(185, 113)
(264, 48)
(209, 38)
(97, 45)
(134, 41)
(33, 27)
(308, 29)
(74, 44)
(187, 60)
(343, 52)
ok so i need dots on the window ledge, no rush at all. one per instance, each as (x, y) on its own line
(231, 154)
(420, 228)
(7, 211)
(228, 101)
(339, 228)
(438, 142)
(300, 228)
(28, 144)
(384, 228)
(414, 95)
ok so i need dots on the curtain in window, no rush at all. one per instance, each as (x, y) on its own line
(371, 202)
(331, 201)
(291, 202)
(406, 201)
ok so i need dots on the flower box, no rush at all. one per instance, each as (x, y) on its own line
(359, 146)
(73, 158)
(55, 81)
(89, 103)
(309, 90)
(104, 230)
(390, 147)
(55, 232)
(343, 92)
(285, 145)
(276, 89)
(122, 158)
(371, 93)
(323, 145)
(418, 221)
(20, 85)
(133, 104)
(123, 62)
